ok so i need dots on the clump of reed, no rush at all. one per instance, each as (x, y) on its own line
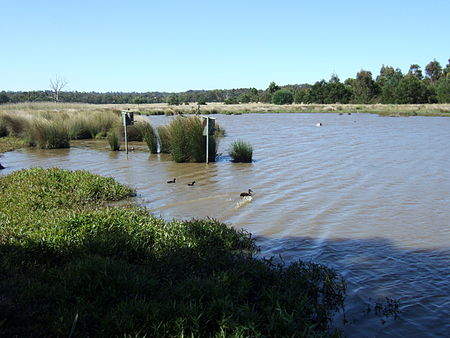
(150, 137)
(219, 131)
(14, 124)
(187, 142)
(48, 134)
(3, 127)
(241, 151)
(164, 139)
(113, 141)
(88, 125)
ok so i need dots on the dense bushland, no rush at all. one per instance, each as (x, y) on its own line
(390, 86)
(71, 264)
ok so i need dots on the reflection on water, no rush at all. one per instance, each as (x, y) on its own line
(364, 194)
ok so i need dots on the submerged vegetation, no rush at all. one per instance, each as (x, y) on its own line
(72, 265)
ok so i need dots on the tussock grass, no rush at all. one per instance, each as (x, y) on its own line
(14, 125)
(241, 151)
(149, 135)
(164, 138)
(54, 129)
(48, 134)
(65, 254)
(113, 141)
(187, 142)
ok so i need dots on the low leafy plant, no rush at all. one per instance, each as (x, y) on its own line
(241, 151)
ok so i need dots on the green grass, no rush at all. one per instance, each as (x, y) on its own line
(71, 263)
(241, 151)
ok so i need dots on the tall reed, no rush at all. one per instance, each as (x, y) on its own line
(48, 134)
(15, 124)
(149, 136)
(187, 142)
(113, 141)
(164, 139)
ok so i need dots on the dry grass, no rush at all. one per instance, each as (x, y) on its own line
(218, 107)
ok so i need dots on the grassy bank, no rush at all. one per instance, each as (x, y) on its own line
(73, 265)
(10, 143)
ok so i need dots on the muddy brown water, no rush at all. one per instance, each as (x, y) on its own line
(364, 194)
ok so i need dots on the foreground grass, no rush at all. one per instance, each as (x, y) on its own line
(71, 264)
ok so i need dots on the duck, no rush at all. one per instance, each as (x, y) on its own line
(172, 181)
(191, 184)
(249, 193)
(319, 124)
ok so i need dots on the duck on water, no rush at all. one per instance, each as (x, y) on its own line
(172, 181)
(249, 193)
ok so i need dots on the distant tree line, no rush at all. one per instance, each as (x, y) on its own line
(390, 86)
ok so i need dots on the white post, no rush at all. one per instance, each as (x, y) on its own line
(124, 120)
(207, 140)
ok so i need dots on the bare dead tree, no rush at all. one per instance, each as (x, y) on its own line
(57, 85)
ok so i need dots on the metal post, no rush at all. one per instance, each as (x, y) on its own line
(207, 140)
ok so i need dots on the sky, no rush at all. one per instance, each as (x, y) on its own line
(174, 46)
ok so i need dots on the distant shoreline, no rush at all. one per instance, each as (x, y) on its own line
(237, 109)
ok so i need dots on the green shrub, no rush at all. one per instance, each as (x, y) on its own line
(241, 151)
(113, 141)
(282, 96)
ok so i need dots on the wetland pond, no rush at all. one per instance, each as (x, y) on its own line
(366, 195)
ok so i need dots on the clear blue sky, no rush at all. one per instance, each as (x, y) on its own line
(180, 45)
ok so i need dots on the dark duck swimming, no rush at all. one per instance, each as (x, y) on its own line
(249, 193)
